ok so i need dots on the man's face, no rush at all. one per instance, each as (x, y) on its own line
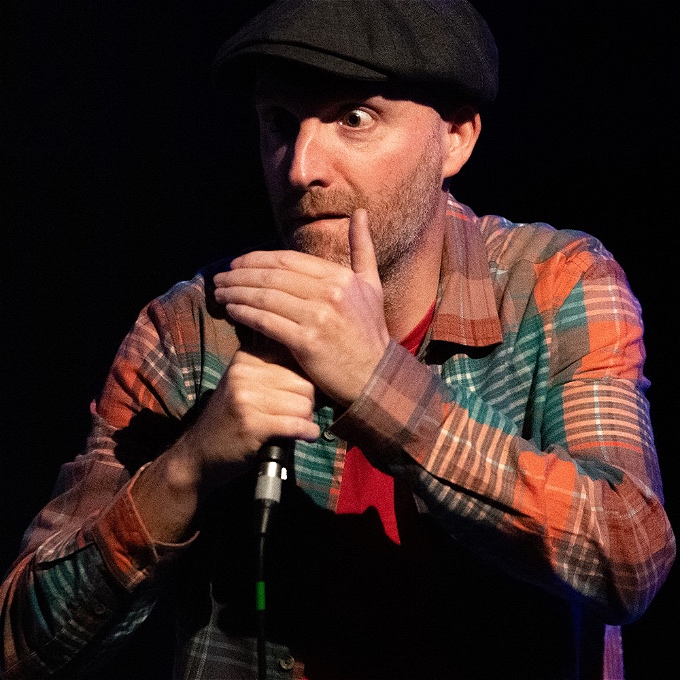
(329, 146)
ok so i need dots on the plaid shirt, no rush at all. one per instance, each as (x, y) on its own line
(521, 428)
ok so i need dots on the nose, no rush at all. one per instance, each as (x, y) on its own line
(310, 157)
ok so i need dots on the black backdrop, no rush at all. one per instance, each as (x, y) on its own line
(124, 171)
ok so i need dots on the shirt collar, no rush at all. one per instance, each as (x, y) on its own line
(466, 312)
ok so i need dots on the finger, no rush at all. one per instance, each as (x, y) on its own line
(291, 260)
(249, 367)
(291, 282)
(282, 403)
(270, 324)
(362, 252)
(275, 302)
(285, 406)
(291, 427)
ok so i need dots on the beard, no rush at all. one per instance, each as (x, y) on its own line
(398, 215)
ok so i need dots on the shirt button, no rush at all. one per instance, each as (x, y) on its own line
(287, 663)
(328, 436)
(98, 608)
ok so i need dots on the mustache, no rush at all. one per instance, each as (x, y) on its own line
(316, 202)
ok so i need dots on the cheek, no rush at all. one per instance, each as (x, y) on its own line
(373, 173)
(379, 175)
(406, 152)
(273, 166)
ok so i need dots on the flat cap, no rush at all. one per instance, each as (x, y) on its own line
(442, 43)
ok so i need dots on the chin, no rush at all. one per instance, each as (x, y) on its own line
(320, 241)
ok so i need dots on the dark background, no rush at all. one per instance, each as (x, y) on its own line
(124, 171)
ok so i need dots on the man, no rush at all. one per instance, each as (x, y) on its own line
(475, 491)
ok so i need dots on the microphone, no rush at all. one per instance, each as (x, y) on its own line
(276, 456)
(275, 459)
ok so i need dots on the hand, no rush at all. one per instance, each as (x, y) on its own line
(258, 397)
(255, 400)
(330, 317)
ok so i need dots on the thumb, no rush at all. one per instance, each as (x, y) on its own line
(361, 251)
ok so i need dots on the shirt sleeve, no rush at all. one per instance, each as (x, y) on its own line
(567, 496)
(88, 566)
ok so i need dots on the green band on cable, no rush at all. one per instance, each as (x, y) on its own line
(259, 596)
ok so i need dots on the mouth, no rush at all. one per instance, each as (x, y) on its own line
(298, 221)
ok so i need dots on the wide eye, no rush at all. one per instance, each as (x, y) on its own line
(356, 118)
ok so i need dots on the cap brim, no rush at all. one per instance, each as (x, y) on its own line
(237, 66)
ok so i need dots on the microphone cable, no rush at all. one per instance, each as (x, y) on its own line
(276, 456)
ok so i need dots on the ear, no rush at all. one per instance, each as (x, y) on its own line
(461, 129)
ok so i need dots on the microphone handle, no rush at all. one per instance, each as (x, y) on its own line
(275, 459)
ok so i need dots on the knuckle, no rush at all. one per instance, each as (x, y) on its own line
(336, 294)
(239, 406)
(268, 278)
(310, 335)
(238, 372)
(310, 393)
(283, 259)
(262, 297)
(320, 317)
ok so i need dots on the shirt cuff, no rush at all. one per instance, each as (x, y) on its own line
(129, 552)
(398, 410)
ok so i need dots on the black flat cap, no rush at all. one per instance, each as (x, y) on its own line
(441, 43)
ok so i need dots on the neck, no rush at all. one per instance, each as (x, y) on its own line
(411, 288)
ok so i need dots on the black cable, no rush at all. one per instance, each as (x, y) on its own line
(261, 610)
(275, 457)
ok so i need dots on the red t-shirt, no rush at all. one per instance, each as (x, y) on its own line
(364, 486)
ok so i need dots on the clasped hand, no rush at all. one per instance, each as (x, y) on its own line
(326, 324)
